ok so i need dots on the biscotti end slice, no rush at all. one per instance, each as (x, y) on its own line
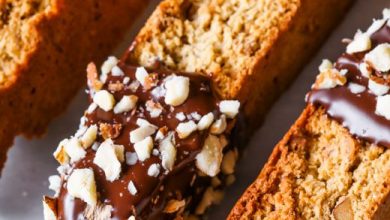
(44, 48)
(248, 47)
(334, 163)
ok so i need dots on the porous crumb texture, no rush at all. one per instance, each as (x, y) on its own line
(319, 171)
(44, 48)
(248, 46)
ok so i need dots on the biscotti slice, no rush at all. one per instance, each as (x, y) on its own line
(151, 145)
(334, 162)
(44, 48)
(253, 49)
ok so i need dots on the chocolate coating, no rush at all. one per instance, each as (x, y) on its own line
(153, 192)
(356, 112)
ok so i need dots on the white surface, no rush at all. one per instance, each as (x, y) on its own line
(30, 162)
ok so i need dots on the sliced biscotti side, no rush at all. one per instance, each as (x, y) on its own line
(334, 162)
(249, 47)
(319, 171)
(44, 49)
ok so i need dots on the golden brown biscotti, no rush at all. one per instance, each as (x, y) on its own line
(44, 48)
(249, 47)
(334, 162)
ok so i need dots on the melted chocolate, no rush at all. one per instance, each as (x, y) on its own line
(356, 112)
(153, 192)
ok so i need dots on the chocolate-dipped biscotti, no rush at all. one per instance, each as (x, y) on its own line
(155, 142)
(334, 162)
(44, 48)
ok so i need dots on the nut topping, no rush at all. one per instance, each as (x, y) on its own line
(109, 157)
(81, 184)
(104, 100)
(178, 88)
(379, 57)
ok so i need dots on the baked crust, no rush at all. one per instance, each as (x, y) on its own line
(54, 42)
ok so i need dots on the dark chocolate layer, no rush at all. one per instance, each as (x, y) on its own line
(153, 192)
(356, 112)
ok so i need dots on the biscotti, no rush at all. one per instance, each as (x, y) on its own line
(44, 48)
(147, 146)
(183, 157)
(334, 161)
(249, 47)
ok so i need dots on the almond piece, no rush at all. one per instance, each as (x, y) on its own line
(55, 183)
(141, 133)
(116, 71)
(383, 106)
(205, 121)
(365, 70)
(325, 65)
(81, 184)
(168, 152)
(229, 108)
(377, 88)
(74, 149)
(104, 100)
(60, 154)
(141, 75)
(177, 90)
(154, 170)
(356, 88)
(376, 25)
(184, 129)
(379, 57)
(154, 108)
(89, 136)
(109, 157)
(143, 148)
(210, 158)
(329, 79)
(127, 103)
(360, 43)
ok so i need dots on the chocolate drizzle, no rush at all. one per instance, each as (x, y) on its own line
(356, 112)
(153, 192)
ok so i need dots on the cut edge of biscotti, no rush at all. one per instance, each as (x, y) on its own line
(320, 170)
(18, 22)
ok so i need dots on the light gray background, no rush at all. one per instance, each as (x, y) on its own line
(30, 162)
